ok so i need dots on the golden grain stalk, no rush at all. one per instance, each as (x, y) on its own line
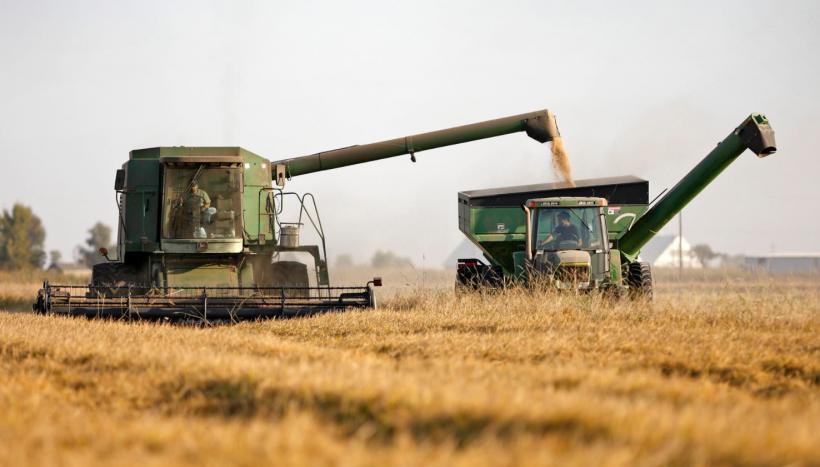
(714, 372)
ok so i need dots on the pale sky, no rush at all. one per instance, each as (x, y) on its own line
(642, 88)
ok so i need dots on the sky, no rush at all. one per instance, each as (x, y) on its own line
(639, 87)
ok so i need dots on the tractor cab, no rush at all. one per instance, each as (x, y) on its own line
(567, 241)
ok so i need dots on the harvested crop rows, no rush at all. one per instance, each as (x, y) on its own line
(714, 371)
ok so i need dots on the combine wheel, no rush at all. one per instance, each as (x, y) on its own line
(639, 279)
(39, 306)
(111, 279)
(290, 274)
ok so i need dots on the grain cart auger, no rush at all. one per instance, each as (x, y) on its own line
(586, 237)
(202, 234)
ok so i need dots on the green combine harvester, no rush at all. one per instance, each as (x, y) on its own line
(587, 236)
(202, 233)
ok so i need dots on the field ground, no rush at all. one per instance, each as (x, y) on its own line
(723, 368)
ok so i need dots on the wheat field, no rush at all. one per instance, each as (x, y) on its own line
(721, 369)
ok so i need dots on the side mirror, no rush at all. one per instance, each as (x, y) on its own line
(377, 282)
(104, 252)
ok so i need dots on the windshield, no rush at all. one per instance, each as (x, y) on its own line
(567, 229)
(202, 202)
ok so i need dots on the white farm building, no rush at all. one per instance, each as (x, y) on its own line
(663, 251)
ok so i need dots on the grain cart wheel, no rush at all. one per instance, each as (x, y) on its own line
(472, 275)
(639, 279)
(462, 288)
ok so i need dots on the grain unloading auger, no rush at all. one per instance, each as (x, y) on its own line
(587, 236)
(202, 234)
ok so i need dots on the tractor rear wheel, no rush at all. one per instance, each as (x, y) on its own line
(639, 279)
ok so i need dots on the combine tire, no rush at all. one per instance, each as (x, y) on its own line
(113, 279)
(290, 274)
(639, 279)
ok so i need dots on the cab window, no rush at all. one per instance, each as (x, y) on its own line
(202, 202)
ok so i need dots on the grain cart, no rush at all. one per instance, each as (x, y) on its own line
(589, 236)
(202, 234)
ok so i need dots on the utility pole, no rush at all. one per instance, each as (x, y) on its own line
(680, 242)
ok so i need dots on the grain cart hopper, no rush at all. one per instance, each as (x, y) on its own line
(202, 233)
(588, 236)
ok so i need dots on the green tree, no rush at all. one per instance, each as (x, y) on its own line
(55, 257)
(344, 261)
(99, 236)
(21, 239)
(388, 259)
(703, 253)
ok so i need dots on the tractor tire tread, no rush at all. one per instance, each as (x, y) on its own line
(639, 279)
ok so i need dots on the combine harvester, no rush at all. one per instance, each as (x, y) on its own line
(201, 234)
(587, 236)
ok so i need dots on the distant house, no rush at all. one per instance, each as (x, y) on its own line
(784, 263)
(663, 252)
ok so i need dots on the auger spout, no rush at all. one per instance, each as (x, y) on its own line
(540, 126)
(754, 133)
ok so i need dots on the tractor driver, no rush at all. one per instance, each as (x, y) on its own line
(564, 233)
(199, 204)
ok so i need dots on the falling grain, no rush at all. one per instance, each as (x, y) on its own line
(560, 161)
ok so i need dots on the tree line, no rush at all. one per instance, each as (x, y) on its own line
(22, 241)
(380, 259)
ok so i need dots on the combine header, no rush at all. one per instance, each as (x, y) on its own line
(202, 233)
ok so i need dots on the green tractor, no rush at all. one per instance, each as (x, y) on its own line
(203, 232)
(587, 236)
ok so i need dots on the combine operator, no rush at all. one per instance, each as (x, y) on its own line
(198, 204)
